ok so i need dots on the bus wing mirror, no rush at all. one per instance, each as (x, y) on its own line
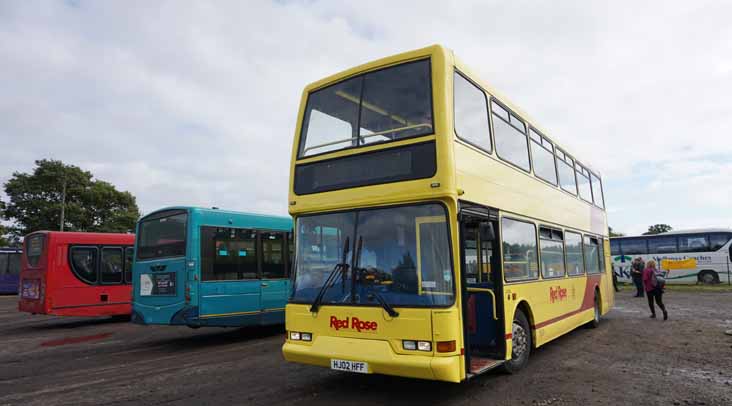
(486, 232)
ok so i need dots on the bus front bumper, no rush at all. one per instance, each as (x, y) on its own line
(378, 354)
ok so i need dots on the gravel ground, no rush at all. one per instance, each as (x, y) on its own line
(630, 359)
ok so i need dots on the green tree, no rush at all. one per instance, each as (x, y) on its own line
(658, 229)
(615, 234)
(36, 199)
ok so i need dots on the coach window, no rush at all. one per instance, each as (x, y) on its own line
(228, 254)
(583, 182)
(471, 114)
(614, 247)
(592, 254)
(565, 164)
(510, 135)
(573, 244)
(551, 243)
(112, 265)
(84, 263)
(634, 246)
(693, 243)
(542, 151)
(273, 255)
(597, 191)
(129, 255)
(519, 250)
(4, 259)
(662, 245)
(717, 241)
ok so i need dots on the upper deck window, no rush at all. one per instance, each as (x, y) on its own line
(385, 105)
(471, 113)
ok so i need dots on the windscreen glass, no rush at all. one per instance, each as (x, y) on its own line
(162, 235)
(399, 254)
(379, 106)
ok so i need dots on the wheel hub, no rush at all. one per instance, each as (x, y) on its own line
(519, 340)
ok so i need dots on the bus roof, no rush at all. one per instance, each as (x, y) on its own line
(681, 232)
(271, 220)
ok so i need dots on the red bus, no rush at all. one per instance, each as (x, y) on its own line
(76, 274)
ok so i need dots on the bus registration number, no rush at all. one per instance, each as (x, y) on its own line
(349, 366)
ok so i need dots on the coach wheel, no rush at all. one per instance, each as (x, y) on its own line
(596, 316)
(520, 344)
(708, 277)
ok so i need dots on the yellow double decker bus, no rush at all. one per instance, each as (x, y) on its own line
(439, 232)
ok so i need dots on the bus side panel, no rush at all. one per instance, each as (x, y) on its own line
(229, 298)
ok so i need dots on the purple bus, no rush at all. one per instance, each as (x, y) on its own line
(9, 269)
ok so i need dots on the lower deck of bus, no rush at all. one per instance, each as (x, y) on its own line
(552, 304)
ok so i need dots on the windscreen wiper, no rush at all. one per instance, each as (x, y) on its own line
(389, 309)
(340, 268)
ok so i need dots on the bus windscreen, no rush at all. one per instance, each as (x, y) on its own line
(162, 235)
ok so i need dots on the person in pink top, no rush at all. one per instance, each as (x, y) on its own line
(653, 291)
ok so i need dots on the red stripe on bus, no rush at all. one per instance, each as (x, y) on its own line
(588, 301)
(509, 336)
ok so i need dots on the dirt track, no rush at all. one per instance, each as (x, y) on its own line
(628, 360)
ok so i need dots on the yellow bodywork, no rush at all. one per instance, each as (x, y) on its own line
(464, 173)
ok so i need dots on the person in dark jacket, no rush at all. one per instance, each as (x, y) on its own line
(636, 272)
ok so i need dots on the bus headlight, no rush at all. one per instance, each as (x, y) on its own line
(424, 345)
(409, 345)
(300, 336)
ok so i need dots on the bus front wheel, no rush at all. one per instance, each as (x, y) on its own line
(708, 277)
(520, 344)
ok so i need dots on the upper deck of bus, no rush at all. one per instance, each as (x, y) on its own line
(434, 164)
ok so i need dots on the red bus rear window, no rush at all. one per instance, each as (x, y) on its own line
(34, 246)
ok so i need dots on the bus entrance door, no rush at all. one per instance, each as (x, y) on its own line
(481, 310)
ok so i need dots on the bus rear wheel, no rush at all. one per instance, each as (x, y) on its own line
(708, 277)
(520, 344)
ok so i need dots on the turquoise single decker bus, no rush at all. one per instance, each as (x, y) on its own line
(209, 267)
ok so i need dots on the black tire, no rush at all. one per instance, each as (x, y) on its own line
(708, 277)
(119, 318)
(520, 342)
(595, 322)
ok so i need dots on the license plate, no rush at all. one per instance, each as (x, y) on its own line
(349, 366)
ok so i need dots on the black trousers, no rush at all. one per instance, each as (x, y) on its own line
(656, 294)
(638, 281)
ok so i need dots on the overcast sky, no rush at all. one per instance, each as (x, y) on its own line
(195, 103)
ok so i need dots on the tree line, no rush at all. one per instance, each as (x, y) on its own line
(54, 190)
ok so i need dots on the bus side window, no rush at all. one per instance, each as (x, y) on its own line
(592, 255)
(273, 252)
(693, 243)
(84, 263)
(129, 252)
(717, 241)
(111, 265)
(573, 244)
(519, 250)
